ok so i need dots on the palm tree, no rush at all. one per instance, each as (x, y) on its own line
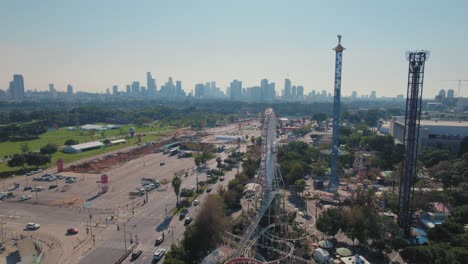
(176, 182)
(219, 160)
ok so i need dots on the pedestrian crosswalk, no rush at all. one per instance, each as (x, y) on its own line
(114, 244)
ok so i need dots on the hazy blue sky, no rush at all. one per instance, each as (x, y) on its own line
(94, 44)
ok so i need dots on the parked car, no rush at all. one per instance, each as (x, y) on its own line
(162, 163)
(25, 197)
(221, 178)
(136, 254)
(27, 188)
(183, 213)
(159, 253)
(72, 231)
(188, 220)
(32, 226)
(209, 190)
(60, 177)
(52, 187)
(196, 202)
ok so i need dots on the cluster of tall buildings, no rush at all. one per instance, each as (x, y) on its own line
(173, 90)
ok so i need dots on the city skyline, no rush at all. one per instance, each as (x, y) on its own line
(93, 46)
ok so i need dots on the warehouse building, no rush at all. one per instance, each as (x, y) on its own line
(83, 147)
(433, 133)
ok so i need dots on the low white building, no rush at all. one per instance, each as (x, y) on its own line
(83, 147)
(93, 127)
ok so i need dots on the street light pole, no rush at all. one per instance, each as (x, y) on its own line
(125, 239)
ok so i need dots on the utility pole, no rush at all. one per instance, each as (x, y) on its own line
(37, 193)
(1, 225)
(125, 239)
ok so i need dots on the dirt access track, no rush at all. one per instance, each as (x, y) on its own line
(107, 162)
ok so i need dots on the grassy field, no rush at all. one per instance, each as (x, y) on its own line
(59, 136)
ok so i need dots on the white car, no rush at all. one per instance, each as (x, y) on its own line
(159, 253)
(25, 197)
(32, 226)
(196, 202)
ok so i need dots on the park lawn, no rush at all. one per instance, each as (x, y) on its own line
(6, 171)
(61, 135)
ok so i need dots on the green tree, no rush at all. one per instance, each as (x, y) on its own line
(299, 186)
(24, 147)
(319, 117)
(70, 142)
(463, 147)
(18, 160)
(176, 182)
(37, 159)
(330, 221)
(208, 227)
(49, 149)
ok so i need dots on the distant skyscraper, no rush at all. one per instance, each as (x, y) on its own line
(354, 94)
(373, 95)
(69, 89)
(143, 90)
(150, 84)
(107, 91)
(179, 90)
(300, 92)
(236, 90)
(287, 88)
(17, 87)
(52, 90)
(294, 91)
(128, 89)
(136, 88)
(271, 91)
(442, 94)
(450, 94)
(115, 90)
(199, 90)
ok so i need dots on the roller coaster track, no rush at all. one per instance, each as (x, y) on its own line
(268, 179)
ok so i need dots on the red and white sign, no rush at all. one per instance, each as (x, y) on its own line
(104, 179)
(59, 165)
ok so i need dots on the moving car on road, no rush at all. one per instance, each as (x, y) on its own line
(32, 226)
(159, 240)
(159, 253)
(136, 254)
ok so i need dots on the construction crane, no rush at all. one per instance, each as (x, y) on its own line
(459, 84)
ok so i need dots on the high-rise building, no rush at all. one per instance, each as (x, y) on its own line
(107, 91)
(199, 90)
(115, 90)
(271, 91)
(128, 89)
(136, 88)
(287, 88)
(52, 90)
(300, 92)
(450, 94)
(236, 90)
(16, 87)
(69, 89)
(150, 84)
(373, 95)
(354, 94)
(179, 90)
(294, 91)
